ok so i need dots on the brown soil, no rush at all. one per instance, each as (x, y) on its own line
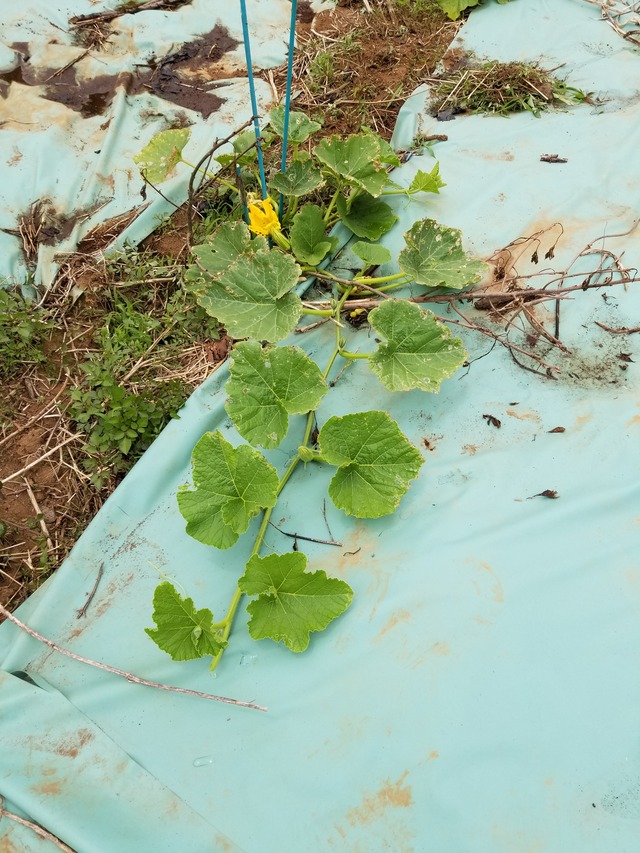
(377, 59)
(44, 509)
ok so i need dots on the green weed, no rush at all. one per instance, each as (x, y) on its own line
(22, 332)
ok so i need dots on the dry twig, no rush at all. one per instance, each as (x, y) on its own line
(120, 672)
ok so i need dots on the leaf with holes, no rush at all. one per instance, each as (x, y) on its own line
(182, 631)
(376, 463)
(251, 297)
(266, 386)
(366, 216)
(232, 484)
(356, 159)
(387, 155)
(229, 242)
(162, 154)
(291, 603)
(434, 257)
(373, 254)
(300, 178)
(419, 352)
(300, 126)
(427, 182)
(309, 240)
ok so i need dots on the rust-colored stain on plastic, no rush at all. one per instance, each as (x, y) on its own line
(635, 421)
(496, 588)
(523, 416)
(49, 789)
(471, 449)
(433, 756)
(395, 619)
(392, 795)
(72, 745)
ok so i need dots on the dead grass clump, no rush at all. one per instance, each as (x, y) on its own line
(501, 88)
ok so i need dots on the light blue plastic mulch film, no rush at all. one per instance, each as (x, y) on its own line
(482, 693)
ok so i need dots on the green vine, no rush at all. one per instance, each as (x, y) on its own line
(246, 275)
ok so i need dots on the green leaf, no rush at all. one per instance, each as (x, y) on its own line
(291, 602)
(427, 182)
(300, 178)
(300, 126)
(162, 154)
(252, 299)
(367, 216)
(229, 242)
(419, 352)
(376, 463)
(356, 159)
(309, 240)
(266, 386)
(434, 257)
(373, 254)
(387, 154)
(182, 631)
(232, 484)
(453, 8)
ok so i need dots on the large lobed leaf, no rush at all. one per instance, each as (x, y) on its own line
(434, 257)
(251, 297)
(266, 386)
(232, 484)
(300, 178)
(162, 154)
(376, 463)
(356, 159)
(182, 631)
(291, 602)
(419, 352)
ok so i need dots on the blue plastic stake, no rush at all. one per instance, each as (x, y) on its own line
(287, 96)
(252, 93)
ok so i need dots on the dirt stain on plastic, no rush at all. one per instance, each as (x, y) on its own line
(392, 795)
(185, 77)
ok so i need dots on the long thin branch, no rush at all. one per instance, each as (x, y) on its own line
(129, 676)
(39, 830)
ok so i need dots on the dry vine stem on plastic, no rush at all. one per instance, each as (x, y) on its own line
(129, 676)
(39, 830)
(515, 301)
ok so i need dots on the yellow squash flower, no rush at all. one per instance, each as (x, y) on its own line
(263, 220)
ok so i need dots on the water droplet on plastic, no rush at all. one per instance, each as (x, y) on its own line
(248, 660)
(203, 761)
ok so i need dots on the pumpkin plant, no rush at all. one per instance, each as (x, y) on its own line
(246, 274)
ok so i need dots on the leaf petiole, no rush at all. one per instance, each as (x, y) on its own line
(352, 355)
